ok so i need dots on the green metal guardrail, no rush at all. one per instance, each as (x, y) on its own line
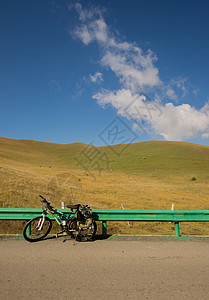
(105, 215)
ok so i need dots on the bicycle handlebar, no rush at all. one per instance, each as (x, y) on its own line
(43, 199)
(50, 207)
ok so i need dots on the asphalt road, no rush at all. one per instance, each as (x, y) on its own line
(105, 269)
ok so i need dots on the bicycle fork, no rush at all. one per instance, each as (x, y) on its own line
(41, 222)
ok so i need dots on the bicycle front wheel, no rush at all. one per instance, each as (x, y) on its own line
(37, 229)
(82, 232)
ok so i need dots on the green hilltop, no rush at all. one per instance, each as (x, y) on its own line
(152, 157)
(163, 158)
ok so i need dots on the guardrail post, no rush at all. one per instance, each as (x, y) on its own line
(177, 231)
(104, 228)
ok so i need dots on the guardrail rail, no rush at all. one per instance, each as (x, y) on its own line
(105, 215)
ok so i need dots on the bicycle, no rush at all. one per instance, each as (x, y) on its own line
(78, 223)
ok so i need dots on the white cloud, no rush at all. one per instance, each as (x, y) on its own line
(97, 77)
(181, 84)
(87, 14)
(92, 26)
(170, 121)
(171, 94)
(131, 70)
(96, 30)
(119, 99)
(132, 66)
(84, 34)
(138, 75)
(180, 122)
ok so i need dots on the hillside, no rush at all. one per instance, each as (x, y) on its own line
(146, 175)
(153, 157)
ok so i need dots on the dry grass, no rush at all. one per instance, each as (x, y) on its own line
(21, 187)
(21, 181)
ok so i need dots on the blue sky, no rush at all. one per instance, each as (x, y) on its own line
(104, 72)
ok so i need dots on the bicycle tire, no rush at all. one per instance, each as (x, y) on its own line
(31, 232)
(82, 233)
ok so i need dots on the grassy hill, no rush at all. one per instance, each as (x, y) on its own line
(146, 175)
(153, 157)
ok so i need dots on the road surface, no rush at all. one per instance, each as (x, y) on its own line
(104, 269)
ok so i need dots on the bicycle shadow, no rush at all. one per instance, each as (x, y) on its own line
(98, 237)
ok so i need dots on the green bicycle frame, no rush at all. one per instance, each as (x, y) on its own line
(57, 215)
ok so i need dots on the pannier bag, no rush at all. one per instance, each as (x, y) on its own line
(84, 213)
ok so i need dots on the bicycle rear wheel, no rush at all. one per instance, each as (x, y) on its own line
(82, 232)
(37, 229)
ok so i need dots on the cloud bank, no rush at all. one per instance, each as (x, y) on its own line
(139, 77)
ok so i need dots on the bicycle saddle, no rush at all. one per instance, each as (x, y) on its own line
(73, 206)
